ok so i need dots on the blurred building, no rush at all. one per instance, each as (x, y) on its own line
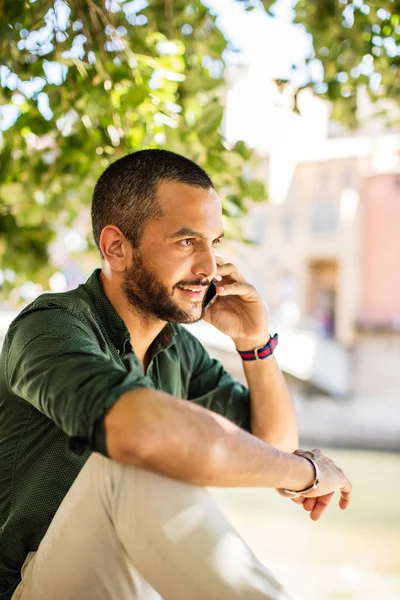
(326, 247)
(325, 259)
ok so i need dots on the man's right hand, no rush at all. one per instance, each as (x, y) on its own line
(331, 478)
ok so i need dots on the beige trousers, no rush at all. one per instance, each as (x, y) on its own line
(123, 533)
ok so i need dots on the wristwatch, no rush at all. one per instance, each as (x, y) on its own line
(306, 454)
(260, 352)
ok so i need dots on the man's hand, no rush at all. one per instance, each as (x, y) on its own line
(331, 478)
(239, 311)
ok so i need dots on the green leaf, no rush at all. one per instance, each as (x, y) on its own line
(211, 118)
(12, 193)
(153, 92)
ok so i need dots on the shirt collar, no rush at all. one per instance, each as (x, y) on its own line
(113, 323)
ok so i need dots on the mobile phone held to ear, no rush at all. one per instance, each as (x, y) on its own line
(210, 296)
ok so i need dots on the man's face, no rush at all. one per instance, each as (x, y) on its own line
(175, 263)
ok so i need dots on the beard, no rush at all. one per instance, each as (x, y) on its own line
(148, 296)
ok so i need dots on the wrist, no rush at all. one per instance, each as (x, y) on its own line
(308, 476)
(242, 345)
(259, 352)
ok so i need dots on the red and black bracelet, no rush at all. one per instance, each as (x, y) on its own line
(261, 352)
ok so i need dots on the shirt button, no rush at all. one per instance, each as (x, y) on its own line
(118, 352)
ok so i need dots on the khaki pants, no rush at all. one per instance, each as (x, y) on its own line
(123, 533)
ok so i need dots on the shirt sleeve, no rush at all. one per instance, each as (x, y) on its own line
(55, 362)
(212, 387)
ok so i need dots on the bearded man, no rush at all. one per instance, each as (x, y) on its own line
(114, 419)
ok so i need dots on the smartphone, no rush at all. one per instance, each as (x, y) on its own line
(210, 296)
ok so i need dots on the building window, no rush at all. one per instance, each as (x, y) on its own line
(285, 288)
(324, 217)
(348, 179)
(287, 227)
(258, 228)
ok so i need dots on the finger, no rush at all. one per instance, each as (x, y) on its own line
(229, 270)
(345, 496)
(320, 506)
(309, 504)
(298, 499)
(235, 289)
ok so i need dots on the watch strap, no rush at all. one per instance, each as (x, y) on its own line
(261, 352)
(305, 454)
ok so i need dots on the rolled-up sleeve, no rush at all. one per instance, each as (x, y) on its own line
(55, 363)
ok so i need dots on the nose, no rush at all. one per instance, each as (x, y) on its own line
(205, 266)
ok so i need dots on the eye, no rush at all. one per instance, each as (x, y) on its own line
(187, 242)
(216, 242)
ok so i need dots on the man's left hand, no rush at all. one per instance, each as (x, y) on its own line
(239, 311)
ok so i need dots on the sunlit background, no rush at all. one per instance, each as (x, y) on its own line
(324, 253)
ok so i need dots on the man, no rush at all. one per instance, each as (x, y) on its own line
(114, 418)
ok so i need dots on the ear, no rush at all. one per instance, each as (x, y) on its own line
(116, 249)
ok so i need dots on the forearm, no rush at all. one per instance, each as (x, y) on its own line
(181, 440)
(273, 417)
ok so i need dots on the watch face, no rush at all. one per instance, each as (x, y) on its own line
(210, 296)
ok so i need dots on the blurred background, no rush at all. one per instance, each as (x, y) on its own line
(293, 107)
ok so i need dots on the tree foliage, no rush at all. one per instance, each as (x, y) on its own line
(356, 43)
(84, 82)
(88, 82)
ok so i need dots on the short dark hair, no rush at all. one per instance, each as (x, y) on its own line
(126, 193)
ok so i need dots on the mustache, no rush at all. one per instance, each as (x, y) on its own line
(197, 282)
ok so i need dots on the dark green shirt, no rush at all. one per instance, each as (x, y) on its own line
(66, 359)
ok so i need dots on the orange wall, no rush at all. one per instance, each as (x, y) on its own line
(380, 251)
